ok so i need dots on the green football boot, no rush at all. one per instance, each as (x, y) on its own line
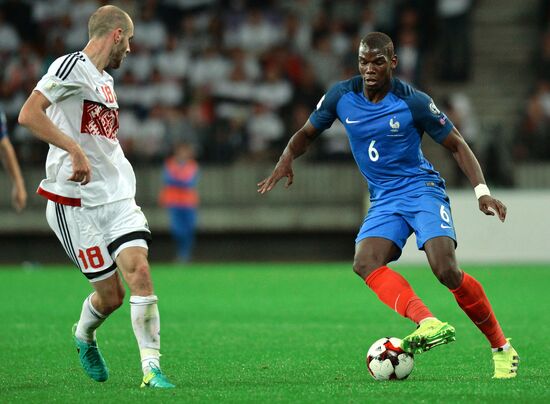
(429, 334)
(506, 363)
(91, 359)
(156, 379)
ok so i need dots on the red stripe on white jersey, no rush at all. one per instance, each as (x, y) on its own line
(63, 200)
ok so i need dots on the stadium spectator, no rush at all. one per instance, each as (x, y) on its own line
(368, 23)
(406, 194)
(297, 35)
(193, 38)
(264, 129)
(255, 33)
(308, 89)
(21, 71)
(458, 108)
(327, 66)
(334, 145)
(340, 41)
(210, 63)
(274, 91)
(532, 142)
(180, 197)
(226, 141)
(174, 61)
(410, 57)
(21, 18)
(542, 60)
(73, 32)
(455, 47)
(9, 38)
(152, 33)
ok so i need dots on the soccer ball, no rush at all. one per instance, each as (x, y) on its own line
(387, 361)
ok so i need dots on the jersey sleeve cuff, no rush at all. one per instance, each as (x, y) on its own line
(445, 132)
(48, 96)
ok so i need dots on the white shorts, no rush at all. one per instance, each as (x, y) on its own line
(93, 237)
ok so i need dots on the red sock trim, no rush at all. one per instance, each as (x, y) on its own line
(472, 299)
(394, 290)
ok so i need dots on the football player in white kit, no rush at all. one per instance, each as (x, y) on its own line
(90, 187)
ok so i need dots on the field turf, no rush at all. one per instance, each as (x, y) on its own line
(264, 333)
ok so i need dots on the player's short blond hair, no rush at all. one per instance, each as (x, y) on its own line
(107, 18)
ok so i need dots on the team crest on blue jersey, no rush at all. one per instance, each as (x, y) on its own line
(433, 108)
(394, 124)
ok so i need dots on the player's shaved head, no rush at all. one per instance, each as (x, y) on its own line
(378, 40)
(106, 19)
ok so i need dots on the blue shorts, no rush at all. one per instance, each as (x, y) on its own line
(428, 215)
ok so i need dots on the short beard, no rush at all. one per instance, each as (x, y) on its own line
(115, 60)
(115, 64)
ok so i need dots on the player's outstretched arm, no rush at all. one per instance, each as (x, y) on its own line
(8, 157)
(469, 165)
(297, 145)
(33, 116)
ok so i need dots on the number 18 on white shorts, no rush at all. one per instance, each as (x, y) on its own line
(94, 236)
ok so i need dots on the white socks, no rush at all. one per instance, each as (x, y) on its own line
(146, 324)
(89, 320)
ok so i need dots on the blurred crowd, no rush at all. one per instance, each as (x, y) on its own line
(235, 78)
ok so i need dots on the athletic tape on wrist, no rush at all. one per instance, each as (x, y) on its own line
(481, 190)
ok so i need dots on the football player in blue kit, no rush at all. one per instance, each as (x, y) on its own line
(385, 119)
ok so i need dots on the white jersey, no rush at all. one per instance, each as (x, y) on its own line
(84, 107)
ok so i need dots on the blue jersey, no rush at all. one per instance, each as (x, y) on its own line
(385, 136)
(3, 124)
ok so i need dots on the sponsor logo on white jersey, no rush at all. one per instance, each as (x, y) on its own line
(99, 120)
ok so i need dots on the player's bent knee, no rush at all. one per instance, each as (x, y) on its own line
(110, 304)
(363, 268)
(359, 269)
(448, 275)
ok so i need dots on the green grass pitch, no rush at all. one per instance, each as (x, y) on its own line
(263, 333)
